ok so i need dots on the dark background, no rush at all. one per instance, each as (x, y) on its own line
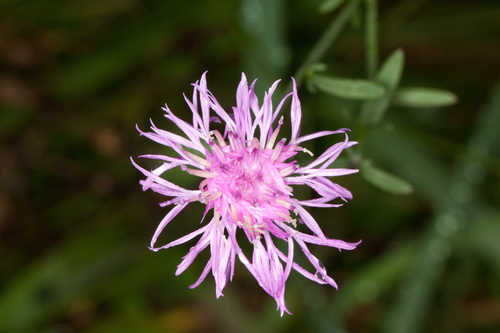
(75, 78)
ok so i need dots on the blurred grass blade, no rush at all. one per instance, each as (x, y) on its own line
(423, 97)
(419, 288)
(371, 42)
(377, 277)
(384, 180)
(389, 75)
(348, 88)
(329, 6)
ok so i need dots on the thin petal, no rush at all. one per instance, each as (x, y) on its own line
(193, 106)
(191, 132)
(166, 220)
(332, 151)
(193, 252)
(304, 272)
(280, 105)
(267, 114)
(158, 179)
(190, 257)
(204, 101)
(203, 275)
(316, 263)
(319, 134)
(146, 184)
(328, 172)
(339, 244)
(309, 221)
(181, 240)
(295, 113)
(289, 260)
(325, 187)
(319, 202)
(242, 111)
(165, 158)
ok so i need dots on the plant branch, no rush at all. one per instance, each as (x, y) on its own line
(327, 39)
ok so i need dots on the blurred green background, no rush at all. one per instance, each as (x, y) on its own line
(76, 76)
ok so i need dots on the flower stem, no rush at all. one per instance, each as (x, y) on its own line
(371, 31)
(327, 39)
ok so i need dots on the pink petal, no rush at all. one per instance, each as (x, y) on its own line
(166, 220)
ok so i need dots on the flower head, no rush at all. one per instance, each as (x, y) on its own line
(247, 179)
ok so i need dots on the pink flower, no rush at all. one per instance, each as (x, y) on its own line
(247, 180)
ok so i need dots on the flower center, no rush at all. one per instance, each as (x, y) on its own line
(246, 183)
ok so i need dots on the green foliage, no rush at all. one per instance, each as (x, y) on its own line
(384, 180)
(423, 97)
(347, 88)
(50, 284)
(376, 278)
(328, 37)
(389, 75)
(371, 37)
(481, 240)
(452, 218)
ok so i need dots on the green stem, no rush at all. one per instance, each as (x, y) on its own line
(327, 39)
(371, 31)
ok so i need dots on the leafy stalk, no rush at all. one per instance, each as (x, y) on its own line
(371, 42)
(327, 39)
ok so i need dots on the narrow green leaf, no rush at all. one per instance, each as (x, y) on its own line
(348, 88)
(384, 180)
(424, 97)
(329, 6)
(389, 75)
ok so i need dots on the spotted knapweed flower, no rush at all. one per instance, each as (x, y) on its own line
(247, 180)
